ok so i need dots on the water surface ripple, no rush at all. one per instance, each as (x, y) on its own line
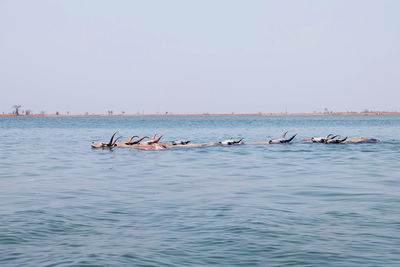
(64, 204)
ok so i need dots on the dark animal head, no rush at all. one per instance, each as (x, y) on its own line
(110, 144)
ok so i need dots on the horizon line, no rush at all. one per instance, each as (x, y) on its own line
(208, 114)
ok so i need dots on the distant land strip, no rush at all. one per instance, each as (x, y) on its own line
(205, 114)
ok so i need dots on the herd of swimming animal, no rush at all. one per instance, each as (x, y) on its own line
(155, 144)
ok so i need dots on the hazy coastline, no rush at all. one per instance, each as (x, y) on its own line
(205, 114)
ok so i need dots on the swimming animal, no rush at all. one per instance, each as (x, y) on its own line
(322, 139)
(282, 140)
(335, 140)
(130, 142)
(180, 142)
(230, 142)
(152, 141)
(359, 140)
(110, 144)
(153, 146)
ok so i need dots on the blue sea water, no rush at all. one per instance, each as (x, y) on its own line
(64, 204)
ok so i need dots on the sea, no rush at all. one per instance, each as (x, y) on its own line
(63, 203)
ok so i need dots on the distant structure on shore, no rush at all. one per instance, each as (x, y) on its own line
(16, 111)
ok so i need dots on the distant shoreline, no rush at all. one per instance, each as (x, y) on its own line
(209, 115)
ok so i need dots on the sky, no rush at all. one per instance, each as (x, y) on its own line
(199, 56)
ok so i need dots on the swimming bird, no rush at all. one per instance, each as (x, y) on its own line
(110, 144)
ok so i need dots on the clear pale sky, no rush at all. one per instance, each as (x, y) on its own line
(199, 56)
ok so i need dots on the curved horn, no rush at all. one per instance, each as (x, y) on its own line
(334, 136)
(130, 140)
(157, 140)
(116, 139)
(291, 138)
(240, 140)
(140, 140)
(329, 135)
(344, 139)
(112, 137)
(284, 135)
